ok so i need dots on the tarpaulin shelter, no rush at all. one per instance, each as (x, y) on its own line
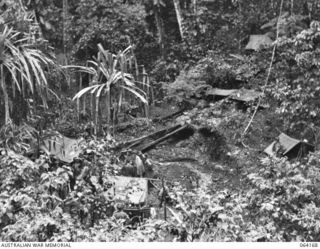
(130, 190)
(289, 147)
(244, 95)
(221, 92)
(63, 148)
(256, 42)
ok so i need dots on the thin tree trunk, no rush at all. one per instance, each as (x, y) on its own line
(14, 90)
(108, 104)
(195, 12)
(240, 27)
(78, 99)
(152, 100)
(159, 23)
(144, 86)
(64, 35)
(195, 7)
(114, 114)
(84, 105)
(5, 97)
(164, 200)
(91, 106)
(146, 90)
(119, 106)
(97, 116)
(179, 17)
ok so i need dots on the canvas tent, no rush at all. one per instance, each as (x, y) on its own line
(63, 148)
(288, 146)
(256, 42)
(244, 95)
(130, 190)
(221, 92)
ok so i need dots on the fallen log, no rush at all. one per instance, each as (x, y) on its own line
(121, 127)
(138, 141)
(171, 115)
(179, 159)
(159, 140)
(126, 125)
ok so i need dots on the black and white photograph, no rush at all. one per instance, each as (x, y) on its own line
(159, 121)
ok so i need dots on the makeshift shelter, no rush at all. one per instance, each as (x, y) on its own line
(221, 92)
(256, 42)
(63, 148)
(289, 147)
(130, 190)
(243, 95)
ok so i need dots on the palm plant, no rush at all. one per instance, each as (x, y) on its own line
(23, 68)
(111, 72)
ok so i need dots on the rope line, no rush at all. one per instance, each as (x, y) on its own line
(268, 75)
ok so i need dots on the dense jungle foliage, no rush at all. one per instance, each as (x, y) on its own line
(107, 73)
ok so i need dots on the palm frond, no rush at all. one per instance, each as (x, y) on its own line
(141, 97)
(85, 90)
(111, 75)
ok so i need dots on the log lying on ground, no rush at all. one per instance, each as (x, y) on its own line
(161, 139)
(120, 127)
(126, 125)
(178, 159)
(171, 115)
(156, 134)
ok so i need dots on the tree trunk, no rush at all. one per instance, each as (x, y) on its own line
(64, 35)
(196, 18)
(179, 17)
(108, 105)
(3, 82)
(159, 23)
(195, 7)
(97, 115)
(78, 99)
(84, 102)
(5, 97)
(240, 27)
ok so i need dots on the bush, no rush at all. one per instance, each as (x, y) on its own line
(295, 76)
(210, 72)
(284, 197)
